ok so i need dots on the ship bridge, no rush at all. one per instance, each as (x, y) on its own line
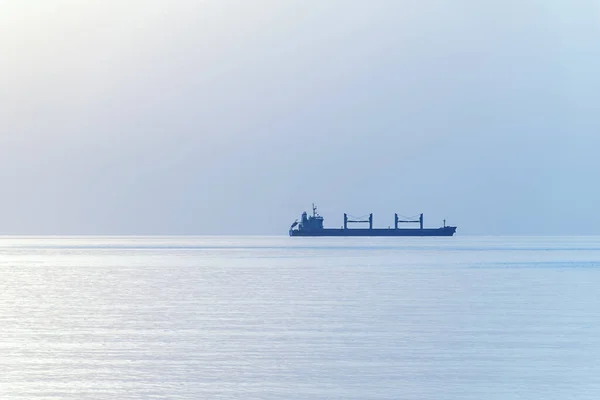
(310, 223)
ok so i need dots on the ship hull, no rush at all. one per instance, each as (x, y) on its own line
(445, 231)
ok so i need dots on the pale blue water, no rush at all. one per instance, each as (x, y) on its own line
(299, 318)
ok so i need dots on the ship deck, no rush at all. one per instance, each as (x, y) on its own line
(445, 231)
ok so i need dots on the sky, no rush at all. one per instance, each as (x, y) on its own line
(233, 117)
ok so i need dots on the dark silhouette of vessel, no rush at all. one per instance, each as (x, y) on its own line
(312, 225)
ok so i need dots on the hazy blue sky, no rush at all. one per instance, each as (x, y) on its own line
(233, 116)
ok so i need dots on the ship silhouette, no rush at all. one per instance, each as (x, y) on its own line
(312, 225)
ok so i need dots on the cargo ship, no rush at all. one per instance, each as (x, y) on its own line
(312, 225)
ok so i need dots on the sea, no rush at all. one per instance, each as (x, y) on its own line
(299, 318)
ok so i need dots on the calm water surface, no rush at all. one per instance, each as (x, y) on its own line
(299, 318)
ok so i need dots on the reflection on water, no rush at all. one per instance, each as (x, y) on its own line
(299, 318)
